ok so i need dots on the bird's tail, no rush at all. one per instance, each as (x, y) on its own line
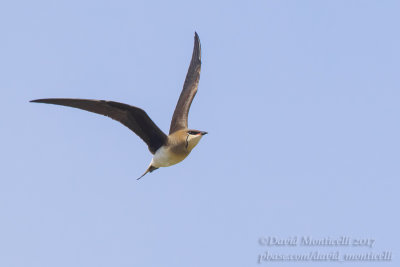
(149, 169)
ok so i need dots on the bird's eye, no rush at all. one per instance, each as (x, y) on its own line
(192, 132)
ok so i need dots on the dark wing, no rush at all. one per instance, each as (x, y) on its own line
(132, 117)
(180, 117)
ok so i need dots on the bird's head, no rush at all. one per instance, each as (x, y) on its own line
(193, 137)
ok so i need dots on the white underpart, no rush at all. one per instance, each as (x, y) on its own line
(165, 158)
(162, 158)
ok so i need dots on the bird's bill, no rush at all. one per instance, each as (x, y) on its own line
(203, 133)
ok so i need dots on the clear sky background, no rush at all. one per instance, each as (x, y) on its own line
(300, 99)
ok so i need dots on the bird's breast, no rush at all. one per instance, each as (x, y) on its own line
(165, 157)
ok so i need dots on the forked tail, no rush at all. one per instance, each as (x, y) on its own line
(149, 169)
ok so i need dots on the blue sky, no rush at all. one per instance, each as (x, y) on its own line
(300, 99)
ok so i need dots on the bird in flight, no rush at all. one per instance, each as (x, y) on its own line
(166, 150)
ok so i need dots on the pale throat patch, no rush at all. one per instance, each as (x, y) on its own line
(193, 140)
(164, 157)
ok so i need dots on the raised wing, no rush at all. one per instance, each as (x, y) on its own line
(132, 117)
(180, 117)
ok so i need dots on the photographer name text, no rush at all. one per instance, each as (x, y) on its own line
(309, 241)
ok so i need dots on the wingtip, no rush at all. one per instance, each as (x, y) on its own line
(38, 101)
(197, 46)
(49, 100)
(196, 37)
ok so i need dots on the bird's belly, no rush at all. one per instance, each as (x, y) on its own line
(165, 157)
